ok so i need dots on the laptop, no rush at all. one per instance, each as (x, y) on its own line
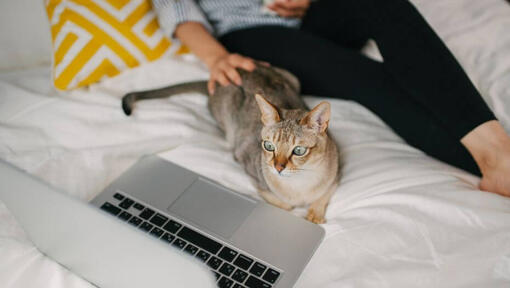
(99, 248)
(243, 241)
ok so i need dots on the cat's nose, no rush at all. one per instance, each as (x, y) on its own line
(279, 167)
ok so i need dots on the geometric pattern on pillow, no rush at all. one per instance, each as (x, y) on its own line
(93, 39)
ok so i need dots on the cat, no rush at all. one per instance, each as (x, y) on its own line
(283, 146)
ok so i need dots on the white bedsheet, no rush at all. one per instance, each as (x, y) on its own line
(398, 219)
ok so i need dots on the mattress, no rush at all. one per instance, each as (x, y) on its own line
(398, 219)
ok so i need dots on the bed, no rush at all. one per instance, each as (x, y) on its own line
(398, 219)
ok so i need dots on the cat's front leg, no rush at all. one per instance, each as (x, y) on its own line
(317, 209)
(274, 200)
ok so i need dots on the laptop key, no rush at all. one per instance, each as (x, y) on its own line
(191, 249)
(158, 220)
(227, 254)
(271, 275)
(239, 275)
(138, 206)
(237, 285)
(110, 208)
(146, 213)
(125, 216)
(146, 226)
(156, 232)
(258, 269)
(253, 282)
(199, 240)
(126, 203)
(202, 255)
(135, 221)
(172, 226)
(118, 196)
(225, 283)
(243, 262)
(179, 243)
(214, 262)
(167, 237)
(217, 275)
(227, 269)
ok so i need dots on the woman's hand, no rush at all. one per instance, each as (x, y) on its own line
(222, 64)
(290, 8)
(223, 69)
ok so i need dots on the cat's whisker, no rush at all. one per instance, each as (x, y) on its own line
(297, 170)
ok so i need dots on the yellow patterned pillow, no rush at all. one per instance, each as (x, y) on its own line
(93, 39)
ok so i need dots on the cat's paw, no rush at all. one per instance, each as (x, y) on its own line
(315, 216)
(284, 206)
(275, 201)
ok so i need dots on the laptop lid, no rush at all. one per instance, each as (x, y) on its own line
(94, 245)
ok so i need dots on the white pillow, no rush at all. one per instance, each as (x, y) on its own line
(25, 38)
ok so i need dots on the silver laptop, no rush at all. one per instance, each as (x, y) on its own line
(94, 245)
(245, 242)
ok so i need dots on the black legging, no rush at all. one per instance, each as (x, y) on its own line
(419, 90)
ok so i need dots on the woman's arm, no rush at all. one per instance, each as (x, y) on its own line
(220, 62)
(184, 20)
(200, 41)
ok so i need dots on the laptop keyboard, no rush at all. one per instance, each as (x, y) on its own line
(232, 269)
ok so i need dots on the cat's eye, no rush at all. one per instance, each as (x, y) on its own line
(299, 150)
(268, 146)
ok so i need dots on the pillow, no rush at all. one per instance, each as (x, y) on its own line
(24, 35)
(93, 39)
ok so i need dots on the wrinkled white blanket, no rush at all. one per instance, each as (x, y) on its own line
(398, 219)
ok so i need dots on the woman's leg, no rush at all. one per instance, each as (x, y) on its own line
(327, 69)
(423, 66)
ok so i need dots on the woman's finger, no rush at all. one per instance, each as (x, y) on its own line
(288, 8)
(234, 60)
(293, 4)
(248, 64)
(210, 86)
(300, 13)
(222, 79)
(245, 63)
(284, 12)
(224, 71)
(264, 63)
(222, 66)
(233, 75)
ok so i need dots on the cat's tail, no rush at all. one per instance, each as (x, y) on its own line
(129, 99)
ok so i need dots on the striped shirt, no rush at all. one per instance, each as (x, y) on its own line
(217, 16)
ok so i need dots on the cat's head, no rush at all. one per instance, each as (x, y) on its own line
(293, 141)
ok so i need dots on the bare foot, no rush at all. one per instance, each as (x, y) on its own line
(496, 177)
(489, 145)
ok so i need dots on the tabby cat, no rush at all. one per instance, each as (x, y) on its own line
(282, 145)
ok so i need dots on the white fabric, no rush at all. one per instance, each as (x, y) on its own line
(398, 219)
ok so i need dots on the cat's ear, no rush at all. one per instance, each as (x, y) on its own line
(318, 117)
(269, 113)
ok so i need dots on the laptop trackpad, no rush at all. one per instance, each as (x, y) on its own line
(213, 207)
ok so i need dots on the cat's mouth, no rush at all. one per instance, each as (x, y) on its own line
(283, 174)
(286, 172)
